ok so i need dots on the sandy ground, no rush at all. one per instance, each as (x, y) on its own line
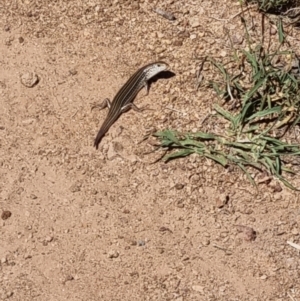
(81, 224)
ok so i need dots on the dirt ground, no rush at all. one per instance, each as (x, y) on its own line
(81, 224)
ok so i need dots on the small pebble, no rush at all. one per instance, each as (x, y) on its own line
(68, 278)
(221, 200)
(48, 238)
(237, 39)
(198, 288)
(206, 242)
(177, 43)
(113, 254)
(141, 243)
(5, 215)
(194, 22)
(27, 256)
(9, 294)
(276, 187)
(273, 31)
(248, 233)
(73, 71)
(179, 186)
(29, 79)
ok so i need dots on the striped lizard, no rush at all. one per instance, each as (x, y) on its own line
(123, 99)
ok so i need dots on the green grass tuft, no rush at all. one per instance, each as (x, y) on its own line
(261, 103)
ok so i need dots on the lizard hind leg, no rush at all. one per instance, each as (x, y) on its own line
(106, 103)
(134, 107)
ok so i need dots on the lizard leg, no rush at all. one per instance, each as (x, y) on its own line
(134, 107)
(147, 86)
(106, 103)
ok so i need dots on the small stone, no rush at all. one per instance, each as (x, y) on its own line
(135, 5)
(33, 196)
(159, 50)
(68, 278)
(180, 204)
(206, 242)
(248, 233)
(217, 226)
(177, 43)
(8, 41)
(273, 30)
(48, 238)
(9, 294)
(21, 40)
(276, 187)
(118, 147)
(179, 186)
(3, 260)
(28, 121)
(237, 39)
(295, 231)
(221, 201)
(141, 243)
(111, 153)
(113, 254)
(198, 288)
(5, 215)
(75, 187)
(193, 36)
(94, 191)
(86, 32)
(223, 53)
(29, 79)
(27, 256)
(161, 250)
(133, 159)
(6, 28)
(195, 178)
(194, 22)
(73, 71)
(165, 229)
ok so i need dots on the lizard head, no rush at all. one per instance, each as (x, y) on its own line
(155, 68)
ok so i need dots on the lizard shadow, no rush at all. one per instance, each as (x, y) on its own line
(162, 75)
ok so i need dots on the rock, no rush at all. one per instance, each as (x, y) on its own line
(5, 215)
(113, 254)
(248, 233)
(194, 22)
(179, 186)
(198, 288)
(29, 79)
